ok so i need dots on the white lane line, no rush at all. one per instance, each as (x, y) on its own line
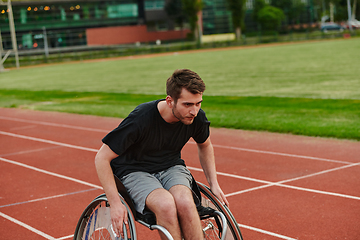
(226, 147)
(47, 198)
(281, 154)
(94, 150)
(215, 145)
(66, 237)
(295, 188)
(26, 226)
(48, 141)
(50, 173)
(268, 183)
(266, 232)
(191, 142)
(54, 124)
(22, 127)
(29, 151)
(281, 183)
(233, 176)
(89, 184)
(320, 173)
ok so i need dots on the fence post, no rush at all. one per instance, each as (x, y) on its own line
(1, 48)
(13, 34)
(349, 15)
(2, 69)
(46, 48)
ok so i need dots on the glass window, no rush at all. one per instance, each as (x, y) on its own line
(122, 10)
(154, 4)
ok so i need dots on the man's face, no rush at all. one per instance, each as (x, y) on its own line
(187, 106)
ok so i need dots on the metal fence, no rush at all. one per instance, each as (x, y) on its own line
(44, 51)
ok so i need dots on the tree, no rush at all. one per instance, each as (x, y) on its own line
(298, 7)
(258, 5)
(332, 5)
(174, 10)
(271, 17)
(191, 9)
(284, 5)
(237, 8)
(353, 14)
(291, 8)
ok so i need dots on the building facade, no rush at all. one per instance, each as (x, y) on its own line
(101, 22)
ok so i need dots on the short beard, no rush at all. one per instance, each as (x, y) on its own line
(175, 115)
(181, 119)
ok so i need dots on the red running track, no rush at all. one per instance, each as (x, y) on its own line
(279, 186)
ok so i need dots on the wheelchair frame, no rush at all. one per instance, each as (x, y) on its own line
(95, 221)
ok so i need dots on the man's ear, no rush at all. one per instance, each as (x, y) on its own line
(169, 101)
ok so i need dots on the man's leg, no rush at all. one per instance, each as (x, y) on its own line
(178, 181)
(146, 190)
(162, 203)
(187, 213)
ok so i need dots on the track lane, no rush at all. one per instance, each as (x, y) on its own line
(263, 144)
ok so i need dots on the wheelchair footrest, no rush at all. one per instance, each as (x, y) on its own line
(205, 212)
(148, 217)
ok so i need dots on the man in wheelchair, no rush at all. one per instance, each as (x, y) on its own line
(144, 152)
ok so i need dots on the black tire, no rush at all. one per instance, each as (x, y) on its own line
(208, 199)
(95, 222)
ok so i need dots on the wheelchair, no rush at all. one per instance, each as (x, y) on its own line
(217, 221)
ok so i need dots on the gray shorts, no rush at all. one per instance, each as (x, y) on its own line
(141, 184)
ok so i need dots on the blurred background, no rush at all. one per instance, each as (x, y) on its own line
(62, 30)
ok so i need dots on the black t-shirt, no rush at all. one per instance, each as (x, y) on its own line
(145, 142)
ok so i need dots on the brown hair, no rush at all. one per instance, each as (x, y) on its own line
(184, 78)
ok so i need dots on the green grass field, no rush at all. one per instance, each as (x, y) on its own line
(310, 88)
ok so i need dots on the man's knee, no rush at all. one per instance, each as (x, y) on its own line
(167, 207)
(186, 206)
(162, 203)
(183, 199)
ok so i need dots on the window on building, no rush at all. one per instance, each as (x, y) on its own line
(122, 10)
(154, 4)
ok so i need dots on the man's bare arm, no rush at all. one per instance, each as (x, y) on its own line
(207, 160)
(106, 177)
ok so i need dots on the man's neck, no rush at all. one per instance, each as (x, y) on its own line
(166, 112)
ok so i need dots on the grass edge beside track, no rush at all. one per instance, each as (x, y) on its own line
(301, 116)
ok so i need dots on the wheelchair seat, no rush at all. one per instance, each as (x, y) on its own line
(149, 217)
(217, 220)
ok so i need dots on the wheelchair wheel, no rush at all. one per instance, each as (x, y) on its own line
(95, 222)
(211, 228)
